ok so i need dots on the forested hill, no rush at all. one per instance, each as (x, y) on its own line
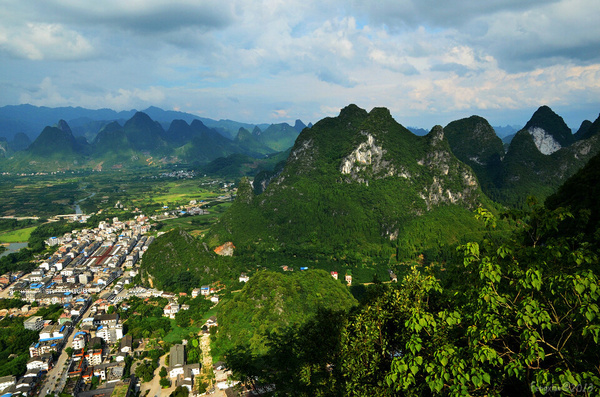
(514, 316)
(271, 302)
(178, 262)
(357, 187)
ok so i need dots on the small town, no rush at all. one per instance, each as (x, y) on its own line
(85, 351)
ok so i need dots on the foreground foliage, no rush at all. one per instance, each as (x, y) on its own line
(513, 317)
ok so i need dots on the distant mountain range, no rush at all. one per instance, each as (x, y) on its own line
(534, 160)
(30, 120)
(140, 141)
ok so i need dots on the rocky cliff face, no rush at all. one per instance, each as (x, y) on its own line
(453, 182)
(543, 140)
(367, 161)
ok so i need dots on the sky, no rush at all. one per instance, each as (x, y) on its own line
(271, 61)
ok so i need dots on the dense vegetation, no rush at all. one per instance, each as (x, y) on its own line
(190, 263)
(515, 315)
(270, 302)
(145, 318)
(15, 339)
(411, 196)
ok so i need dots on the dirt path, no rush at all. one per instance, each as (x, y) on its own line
(207, 366)
(207, 373)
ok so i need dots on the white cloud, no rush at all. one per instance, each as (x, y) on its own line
(46, 94)
(45, 41)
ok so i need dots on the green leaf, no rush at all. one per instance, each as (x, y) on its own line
(486, 378)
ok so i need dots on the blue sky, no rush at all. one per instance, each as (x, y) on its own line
(274, 60)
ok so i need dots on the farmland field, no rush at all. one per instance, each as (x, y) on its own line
(16, 236)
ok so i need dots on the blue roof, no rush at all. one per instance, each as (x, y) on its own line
(100, 326)
(49, 339)
(79, 333)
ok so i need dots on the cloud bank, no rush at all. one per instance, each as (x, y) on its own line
(262, 61)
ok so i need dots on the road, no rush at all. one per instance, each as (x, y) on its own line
(49, 384)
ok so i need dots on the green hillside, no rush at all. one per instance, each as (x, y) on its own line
(278, 137)
(474, 142)
(270, 302)
(351, 191)
(178, 262)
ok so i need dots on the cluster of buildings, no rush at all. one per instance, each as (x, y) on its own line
(52, 336)
(180, 174)
(99, 348)
(10, 277)
(181, 373)
(85, 263)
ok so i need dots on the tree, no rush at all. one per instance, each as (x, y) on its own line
(69, 351)
(180, 391)
(524, 317)
(163, 372)
(164, 383)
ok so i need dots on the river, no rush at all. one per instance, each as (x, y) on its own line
(13, 247)
(78, 208)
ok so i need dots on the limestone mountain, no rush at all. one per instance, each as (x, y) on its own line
(251, 144)
(55, 142)
(588, 129)
(180, 132)
(360, 183)
(549, 130)
(144, 134)
(538, 159)
(474, 142)
(111, 139)
(206, 145)
(583, 130)
(299, 125)
(19, 142)
(541, 157)
(279, 137)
